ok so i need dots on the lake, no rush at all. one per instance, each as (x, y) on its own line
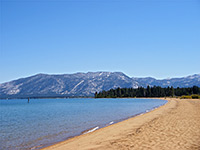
(43, 122)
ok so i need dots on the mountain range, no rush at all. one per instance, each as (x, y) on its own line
(84, 84)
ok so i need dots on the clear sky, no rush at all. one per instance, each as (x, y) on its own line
(158, 38)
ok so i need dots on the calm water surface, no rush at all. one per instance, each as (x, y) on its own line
(45, 121)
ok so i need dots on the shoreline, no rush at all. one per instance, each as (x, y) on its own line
(98, 129)
(90, 130)
(174, 125)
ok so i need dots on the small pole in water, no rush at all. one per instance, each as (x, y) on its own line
(28, 100)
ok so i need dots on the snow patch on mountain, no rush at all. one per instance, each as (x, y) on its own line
(76, 86)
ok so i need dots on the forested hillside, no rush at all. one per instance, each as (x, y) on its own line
(155, 91)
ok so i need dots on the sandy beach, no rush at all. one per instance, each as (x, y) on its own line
(174, 126)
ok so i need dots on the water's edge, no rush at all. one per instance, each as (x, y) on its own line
(95, 128)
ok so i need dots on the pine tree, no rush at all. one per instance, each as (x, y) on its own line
(148, 91)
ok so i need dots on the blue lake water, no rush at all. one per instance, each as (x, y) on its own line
(42, 122)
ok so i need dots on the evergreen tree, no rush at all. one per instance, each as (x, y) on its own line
(172, 91)
(195, 90)
(119, 93)
(155, 91)
(148, 93)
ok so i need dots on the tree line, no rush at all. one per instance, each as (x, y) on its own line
(155, 91)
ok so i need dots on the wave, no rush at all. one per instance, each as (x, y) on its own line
(111, 122)
(91, 130)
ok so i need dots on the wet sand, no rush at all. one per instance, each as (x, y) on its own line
(174, 126)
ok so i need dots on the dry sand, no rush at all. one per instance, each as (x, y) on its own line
(174, 126)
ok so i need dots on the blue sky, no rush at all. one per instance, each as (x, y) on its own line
(140, 38)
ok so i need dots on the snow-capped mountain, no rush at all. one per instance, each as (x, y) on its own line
(84, 84)
(188, 81)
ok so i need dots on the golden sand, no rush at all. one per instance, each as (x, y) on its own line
(174, 126)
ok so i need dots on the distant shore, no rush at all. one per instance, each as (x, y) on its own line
(172, 126)
(56, 97)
